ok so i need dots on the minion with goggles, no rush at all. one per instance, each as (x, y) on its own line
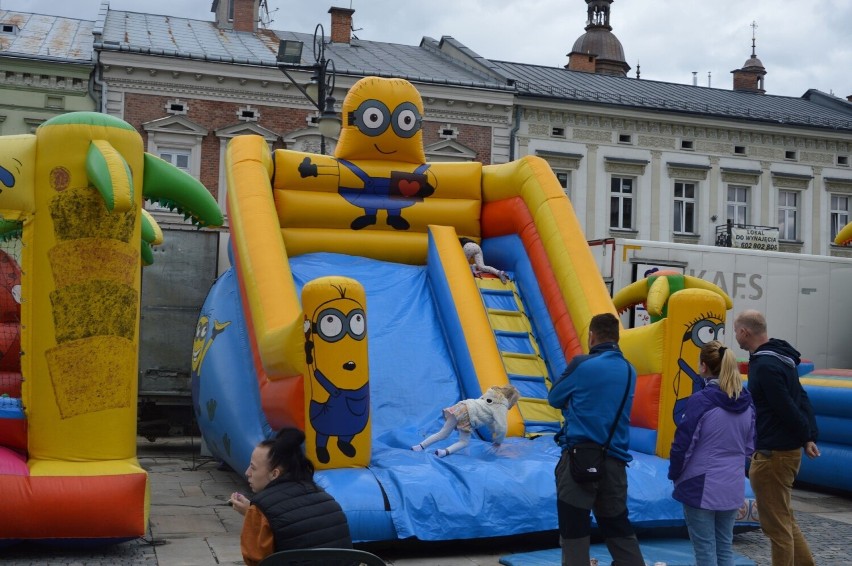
(706, 328)
(654, 291)
(379, 161)
(337, 395)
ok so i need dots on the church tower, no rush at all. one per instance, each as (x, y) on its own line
(598, 50)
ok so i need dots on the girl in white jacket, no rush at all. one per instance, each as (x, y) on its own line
(489, 410)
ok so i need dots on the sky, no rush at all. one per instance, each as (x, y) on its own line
(803, 44)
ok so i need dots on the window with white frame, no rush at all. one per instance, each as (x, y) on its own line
(177, 157)
(621, 203)
(564, 178)
(684, 207)
(839, 213)
(180, 158)
(788, 209)
(737, 204)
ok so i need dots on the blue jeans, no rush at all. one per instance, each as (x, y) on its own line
(712, 535)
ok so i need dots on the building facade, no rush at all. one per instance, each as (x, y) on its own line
(46, 65)
(676, 163)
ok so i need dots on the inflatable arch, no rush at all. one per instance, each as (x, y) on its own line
(378, 213)
(73, 193)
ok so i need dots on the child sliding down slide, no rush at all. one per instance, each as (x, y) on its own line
(489, 410)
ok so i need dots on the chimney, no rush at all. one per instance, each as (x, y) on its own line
(238, 15)
(849, 98)
(341, 24)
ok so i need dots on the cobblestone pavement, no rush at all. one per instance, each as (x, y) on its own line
(191, 524)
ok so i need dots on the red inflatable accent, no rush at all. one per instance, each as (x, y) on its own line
(511, 216)
(115, 506)
(646, 401)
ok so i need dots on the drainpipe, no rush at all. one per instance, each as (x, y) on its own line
(96, 79)
(512, 133)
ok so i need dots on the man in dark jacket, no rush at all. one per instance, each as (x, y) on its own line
(589, 393)
(785, 424)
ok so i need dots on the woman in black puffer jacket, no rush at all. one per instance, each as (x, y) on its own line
(288, 510)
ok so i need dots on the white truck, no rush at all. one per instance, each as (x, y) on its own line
(807, 299)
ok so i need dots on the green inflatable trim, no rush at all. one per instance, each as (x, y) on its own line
(166, 184)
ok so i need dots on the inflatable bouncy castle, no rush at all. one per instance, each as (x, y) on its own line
(72, 195)
(351, 312)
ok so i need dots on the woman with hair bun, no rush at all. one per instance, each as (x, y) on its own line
(714, 437)
(288, 510)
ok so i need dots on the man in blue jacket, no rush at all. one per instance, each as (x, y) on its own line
(589, 393)
(785, 424)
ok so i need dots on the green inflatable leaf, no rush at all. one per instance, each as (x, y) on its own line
(165, 183)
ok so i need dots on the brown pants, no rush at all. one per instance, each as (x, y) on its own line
(772, 482)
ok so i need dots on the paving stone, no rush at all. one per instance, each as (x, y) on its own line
(185, 552)
(163, 526)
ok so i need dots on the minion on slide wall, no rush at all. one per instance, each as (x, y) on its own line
(75, 190)
(654, 292)
(337, 402)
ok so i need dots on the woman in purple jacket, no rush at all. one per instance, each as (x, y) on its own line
(714, 437)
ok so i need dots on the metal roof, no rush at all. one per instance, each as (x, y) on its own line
(55, 38)
(560, 83)
(46, 37)
(198, 39)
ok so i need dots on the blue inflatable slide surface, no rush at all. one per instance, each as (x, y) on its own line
(478, 492)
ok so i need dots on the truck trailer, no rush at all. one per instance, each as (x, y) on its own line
(807, 299)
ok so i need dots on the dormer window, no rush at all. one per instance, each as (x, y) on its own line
(11, 29)
(176, 107)
(248, 114)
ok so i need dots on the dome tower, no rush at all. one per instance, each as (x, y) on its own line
(598, 50)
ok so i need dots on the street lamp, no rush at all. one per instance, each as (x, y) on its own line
(321, 88)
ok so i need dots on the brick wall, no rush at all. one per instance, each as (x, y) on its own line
(477, 138)
(245, 15)
(341, 24)
(581, 62)
(746, 80)
(212, 115)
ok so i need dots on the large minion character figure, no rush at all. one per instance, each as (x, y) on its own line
(204, 336)
(10, 313)
(17, 176)
(337, 394)
(7, 178)
(379, 161)
(704, 329)
(655, 291)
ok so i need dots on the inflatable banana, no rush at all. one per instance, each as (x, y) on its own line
(654, 292)
(844, 236)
